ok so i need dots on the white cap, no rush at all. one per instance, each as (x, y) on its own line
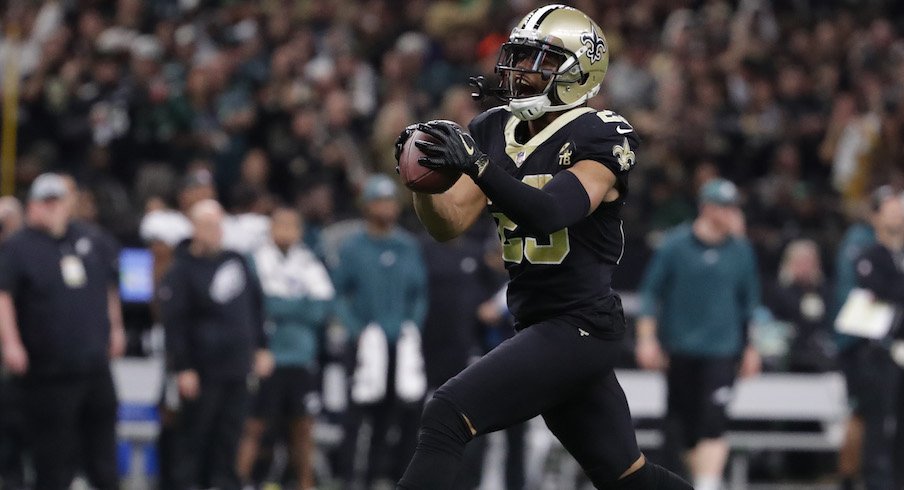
(48, 186)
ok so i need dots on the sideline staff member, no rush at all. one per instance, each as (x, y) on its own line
(212, 309)
(699, 294)
(58, 308)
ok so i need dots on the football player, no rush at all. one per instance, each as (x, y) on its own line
(553, 173)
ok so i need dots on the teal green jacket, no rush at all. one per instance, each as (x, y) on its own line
(702, 296)
(295, 318)
(856, 239)
(380, 280)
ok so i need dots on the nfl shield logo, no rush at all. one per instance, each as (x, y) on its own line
(520, 158)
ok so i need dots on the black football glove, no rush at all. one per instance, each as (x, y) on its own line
(400, 142)
(454, 149)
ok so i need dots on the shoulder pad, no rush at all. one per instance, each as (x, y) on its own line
(605, 137)
(615, 124)
(483, 117)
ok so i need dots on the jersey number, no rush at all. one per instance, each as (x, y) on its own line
(516, 249)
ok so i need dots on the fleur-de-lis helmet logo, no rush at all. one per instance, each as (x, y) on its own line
(594, 43)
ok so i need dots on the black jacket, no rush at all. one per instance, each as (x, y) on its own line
(882, 272)
(212, 309)
(59, 287)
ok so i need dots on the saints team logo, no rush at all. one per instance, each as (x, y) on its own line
(624, 154)
(595, 45)
(565, 155)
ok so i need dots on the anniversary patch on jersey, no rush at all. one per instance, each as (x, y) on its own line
(565, 155)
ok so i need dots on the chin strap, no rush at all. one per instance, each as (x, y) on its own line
(527, 108)
(530, 108)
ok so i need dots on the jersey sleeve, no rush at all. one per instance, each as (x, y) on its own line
(112, 249)
(176, 315)
(10, 271)
(751, 290)
(607, 138)
(876, 272)
(257, 301)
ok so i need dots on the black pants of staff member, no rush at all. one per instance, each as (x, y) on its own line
(383, 460)
(873, 378)
(71, 424)
(12, 435)
(209, 430)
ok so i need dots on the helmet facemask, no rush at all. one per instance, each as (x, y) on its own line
(554, 64)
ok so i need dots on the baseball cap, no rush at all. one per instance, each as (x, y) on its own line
(48, 186)
(720, 192)
(378, 187)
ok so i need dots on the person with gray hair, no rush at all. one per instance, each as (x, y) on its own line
(212, 309)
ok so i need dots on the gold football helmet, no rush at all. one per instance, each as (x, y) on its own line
(566, 48)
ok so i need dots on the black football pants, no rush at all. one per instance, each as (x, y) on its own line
(72, 424)
(555, 370)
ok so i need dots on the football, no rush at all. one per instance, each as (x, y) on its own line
(418, 177)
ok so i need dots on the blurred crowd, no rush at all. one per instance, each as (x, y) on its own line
(156, 106)
(299, 101)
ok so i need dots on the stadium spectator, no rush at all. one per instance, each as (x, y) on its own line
(212, 310)
(801, 298)
(699, 294)
(315, 203)
(298, 297)
(875, 381)
(247, 228)
(11, 218)
(124, 88)
(382, 302)
(60, 323)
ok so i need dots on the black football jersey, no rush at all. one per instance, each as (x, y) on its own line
(568, 271)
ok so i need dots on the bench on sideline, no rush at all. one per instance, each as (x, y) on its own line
(770, 397)
(775, 397)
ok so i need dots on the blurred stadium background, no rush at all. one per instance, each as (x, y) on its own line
(798, 102)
